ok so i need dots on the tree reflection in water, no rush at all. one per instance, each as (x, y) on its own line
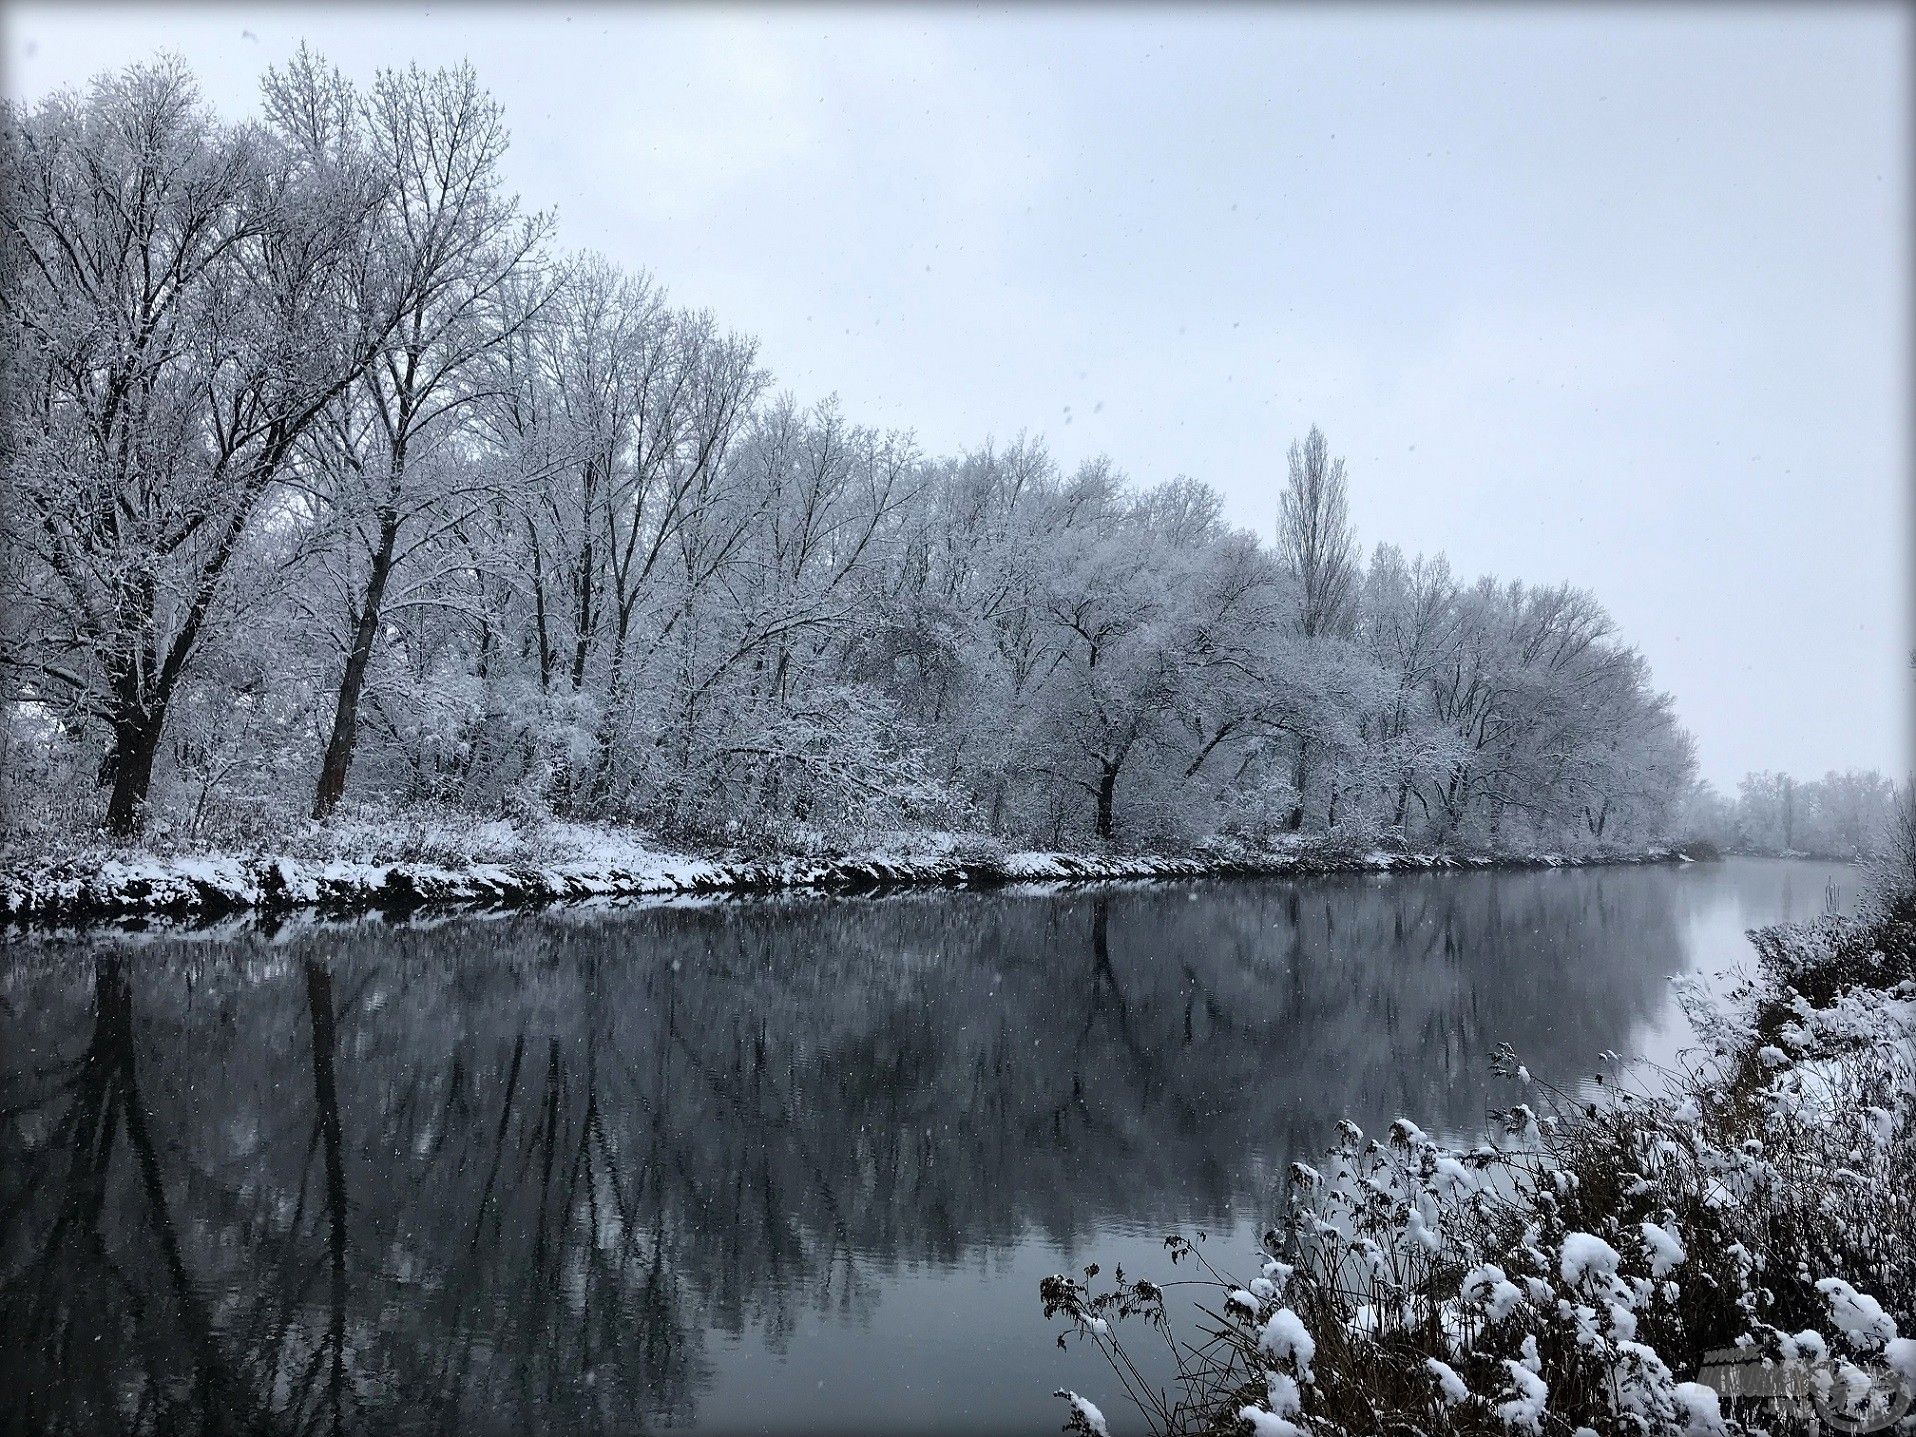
(487, 1173)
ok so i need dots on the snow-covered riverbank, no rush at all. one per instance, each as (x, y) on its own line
(574, 861)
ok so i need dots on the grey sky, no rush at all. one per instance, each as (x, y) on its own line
(1612, 295)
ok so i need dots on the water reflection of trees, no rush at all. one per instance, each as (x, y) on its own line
(497, 1172)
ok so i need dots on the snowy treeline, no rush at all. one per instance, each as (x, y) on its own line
(1840, 815)
(333, 477)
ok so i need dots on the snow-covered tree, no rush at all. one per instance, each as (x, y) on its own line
(451, 242)
(181, 311)
(325, 467)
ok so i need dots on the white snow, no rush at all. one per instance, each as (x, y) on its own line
(1281, 1394)
(1085, 1408)
(1407, 1134)
(360, 861)
(1808, 1345)
(1665, 1249)
(1523, 1410)
(1900, 1354)
(1882, 1125)
(1448, 1382)
(1460, 1178)
(1585, 1255)
(1857, 1315)
(1702, 1410)
(1530, 1357)
(1268, 1424)
(1287, 1340)
(1421, 1232)
(1488, 1286)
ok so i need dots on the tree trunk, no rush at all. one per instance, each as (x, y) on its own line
(614, 701)
(539, 611)
(1300, 775)
(339, 747)
(140, 688)
(1107, 787)
(136, 741)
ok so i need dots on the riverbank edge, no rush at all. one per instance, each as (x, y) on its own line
(107, 885)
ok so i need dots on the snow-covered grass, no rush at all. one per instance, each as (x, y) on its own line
(407, 857)
(1574, 1269)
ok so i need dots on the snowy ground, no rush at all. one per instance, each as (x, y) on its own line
(401, 865)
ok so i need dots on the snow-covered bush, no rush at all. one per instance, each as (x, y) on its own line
(1256, 816)
(1575, 1268)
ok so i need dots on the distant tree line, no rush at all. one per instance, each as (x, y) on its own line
(331, 477)
(1840, 815)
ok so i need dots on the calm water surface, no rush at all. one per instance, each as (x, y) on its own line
(773, 1166)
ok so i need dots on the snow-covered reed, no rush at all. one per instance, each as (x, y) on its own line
(1576, 1268)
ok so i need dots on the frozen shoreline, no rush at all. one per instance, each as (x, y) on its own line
(117, 884)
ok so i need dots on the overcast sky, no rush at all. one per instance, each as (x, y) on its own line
(1617, 296)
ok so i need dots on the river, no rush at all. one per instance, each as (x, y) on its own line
(772, 1165)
